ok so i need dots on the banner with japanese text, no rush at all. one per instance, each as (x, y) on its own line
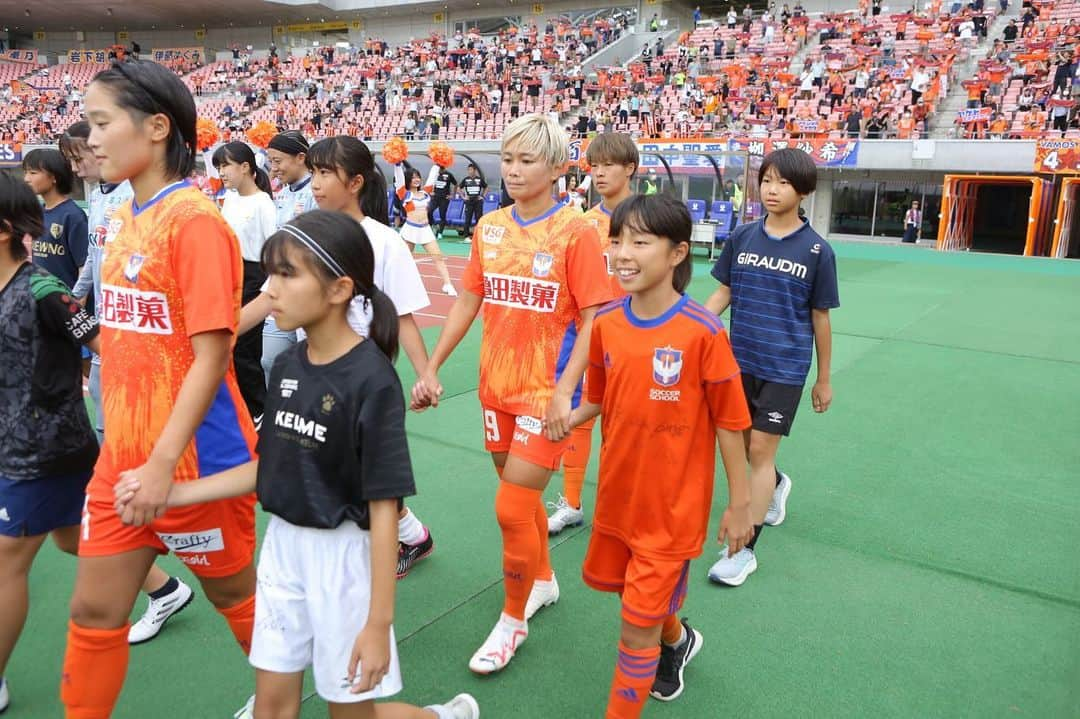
(704, 152)
(85, 57)
(27, 56)
(166, 54)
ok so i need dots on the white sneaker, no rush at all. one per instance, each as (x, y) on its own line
(733, 570)
(778, 505)
(247, 711)
(449, 289)
(463, 706)
(564, 516)
(159, 611)
(499, 647)
(543, 594)
(5, 698)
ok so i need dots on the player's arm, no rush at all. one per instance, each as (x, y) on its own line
(85, 283)
(736, 524)
(412, 342)
(427, 390)
(557, 418)
(371, 651)
(253, 313)
(212, 353)
(234, 482)
(822, 391)
(399, 181)
(584, 412)
(719, 300)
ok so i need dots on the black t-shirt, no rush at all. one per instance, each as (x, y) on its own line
(443, 182)
(333, 438)
(473, 187)
(44, 427)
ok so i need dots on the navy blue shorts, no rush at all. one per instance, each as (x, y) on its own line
(38, 506)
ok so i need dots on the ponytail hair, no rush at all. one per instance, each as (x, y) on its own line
(335, 245)
(346, 155)
(238, 153)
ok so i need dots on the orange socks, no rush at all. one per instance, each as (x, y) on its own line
(635, 671)
(543, 565)
(241, 619)
(515, 508)
(95, 665)
(673, 630)
(575, 461)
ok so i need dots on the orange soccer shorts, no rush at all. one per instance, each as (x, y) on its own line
(651, 589)
(216, 539)
(523, 437)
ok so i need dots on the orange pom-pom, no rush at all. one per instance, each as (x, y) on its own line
(583, 164)
(262, 133)
(206, 133)
(441, 154)
(395, 150)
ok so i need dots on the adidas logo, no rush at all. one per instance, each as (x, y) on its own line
(4, 514)
(629, 693)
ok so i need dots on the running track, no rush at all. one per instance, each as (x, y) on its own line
(436, 313)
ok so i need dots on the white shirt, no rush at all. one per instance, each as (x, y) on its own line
(253, 219)
(395, 274)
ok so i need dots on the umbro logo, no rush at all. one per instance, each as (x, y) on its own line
(776, 417)
(4, 516)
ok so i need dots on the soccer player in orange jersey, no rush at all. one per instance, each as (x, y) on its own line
(170, 285)
(614, 160)
(537, 270)
(665, 382)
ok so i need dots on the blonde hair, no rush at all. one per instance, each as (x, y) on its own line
(542, 133)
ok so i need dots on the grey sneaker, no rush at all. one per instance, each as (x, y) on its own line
(733, 570)
(778, 506)
(463, 706)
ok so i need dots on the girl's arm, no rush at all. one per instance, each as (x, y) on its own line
(235, 482)
(412, 342)
(213, 351)
(719, 300)
(427, 390)
(736, 525)
(557, 417)
(432, 175)
(371, 651)
(85, 284)
(585, 411)
(399, 181)
(253, 313)
(821, 394)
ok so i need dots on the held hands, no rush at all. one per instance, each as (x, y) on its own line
(821, 396)
(736, 527)
(371, 655)
(426, 392)
(557, 418)
(141, 493)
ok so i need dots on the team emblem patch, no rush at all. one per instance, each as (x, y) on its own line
(542, 264)
(131, 269)
(97, 237)
(56, 230)
(114, 229)
(666, 366)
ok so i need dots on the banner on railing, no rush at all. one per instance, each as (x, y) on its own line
(824, 152)
(10, 154)
(165, 54)
(27, 56)
(1057, 156)
(85, 57)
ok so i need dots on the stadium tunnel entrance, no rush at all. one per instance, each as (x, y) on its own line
(1008, 214)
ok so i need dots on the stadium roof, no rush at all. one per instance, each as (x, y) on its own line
(59, 15)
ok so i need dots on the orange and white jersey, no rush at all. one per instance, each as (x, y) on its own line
(171, 270)
(535, 277)
(600, 218)
(664, 386)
